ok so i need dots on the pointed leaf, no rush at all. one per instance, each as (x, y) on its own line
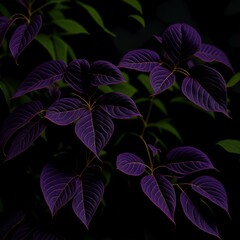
(142, 60)
(135, 4)
(24, 3)
(42, 77)
(46, 41)
(138, 18)
(64, 111)
(234, 80)
(90, 194)
(161, 192)
(230, 145)
(154, 150)
(206, 88)
(212, 189)
(130, 164)
(186, 160)
(161, 79)
(118, 105)
(58, 186)
(210, 53)
(94, 129)
(24, 34)
(105, 73)
(180, 41)
(195, 216)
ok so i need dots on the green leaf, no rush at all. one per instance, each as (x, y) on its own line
(230, 145)
(61, 48)
(144, 79)
(6, 92)
(233, 80)
(96, 17)
(125, 88)
(4, 11)
(139, 19)
(105, 88)
(135, 4)
(56, 14)
(159, 104)
(47, 43)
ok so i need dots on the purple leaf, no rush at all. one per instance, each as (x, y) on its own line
(180, 41)
(130, 164)
(76, 74)
(105, 73)
(212, 189)
(186, 160)
(24, 3)
(25, 138)
(24, 34)
(23, 232)
(90, 194)
(118, 105)
(58, 186)
(196, 217)
(64, 111)
(44, 235)
(19, 118)
(161, 192)
(142, 60)
(94, 129)
(161, 79)
(153, 149)
(42, 77)
(5, 24)
(206, 88)
(158, 38)
(210, 53)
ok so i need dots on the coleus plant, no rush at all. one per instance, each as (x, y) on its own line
(75, 98)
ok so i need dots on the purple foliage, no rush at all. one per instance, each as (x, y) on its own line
(5, 24)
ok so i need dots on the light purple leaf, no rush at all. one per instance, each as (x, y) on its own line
(24, 34)
(19, 118)
(25, 138)
(118, 105)
(186, 160)
(5, 24)
(161, 79)
(42, 77)
(94, 129)
(58, 186)
(206, 88)
(180, 42)
(212, 189)
(210, 53)
(196, 217)
(130, 164)
(64, 111)
(88, 198)
(105, 73)
(142, 60)
(77, 74)
(161, 192)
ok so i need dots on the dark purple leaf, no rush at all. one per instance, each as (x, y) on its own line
(161, 79)
(196, 217)
(158, 38)
(54, 92)
(161, 192)
(24, 3)
(153, 149)
(44, 235)
(118, 105)
(206, 88)
(210, 53)
(180, 41)
(105, 73)
(23, 232)
(5, 24)
(64, 111)
(212, 189)
(142, 60)
(130, 164)
(58, 186)
(186, 160)
(42, 77)
(77, 74)
(25, 138)
(19, 118)
(90, 194)
(24, 34)
(94, 129)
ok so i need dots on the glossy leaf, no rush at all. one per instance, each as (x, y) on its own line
(161, 193)
(186, 160)
(230, 145)
(94, 129)
(161, 79)
(118, 105)
(180, 42)
(90, 194)
(206, 88)
(142, 60)
(64, 111)
(130, 164)
(24, 34)
(42, 77)
(196, 217)
(58, 186)
(211, 189)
